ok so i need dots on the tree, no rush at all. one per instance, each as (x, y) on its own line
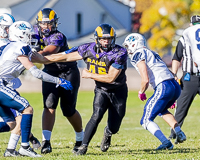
(162, 20)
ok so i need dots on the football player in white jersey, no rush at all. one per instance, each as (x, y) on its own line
(153, 71)
(5, 21)
(15, 57)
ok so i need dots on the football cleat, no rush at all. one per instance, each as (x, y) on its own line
(76, 146)
(11, 154)
(46, 147)
(172, 136)
(81, 150)
(105, 143)
(35, 142)
(166, 145)
(28, 152)
(180, 137)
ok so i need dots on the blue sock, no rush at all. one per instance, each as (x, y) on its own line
(4, 127)
(26, 124)
(160, 136)
(177, 129)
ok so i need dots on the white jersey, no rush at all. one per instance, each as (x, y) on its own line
(191, 37)
(4, 41)
(10, 66)
(156, 68)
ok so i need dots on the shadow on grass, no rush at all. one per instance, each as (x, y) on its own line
(144, 151)
(123, 149)
(113, 151)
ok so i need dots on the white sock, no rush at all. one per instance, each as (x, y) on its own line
(79, 136)
(46, 135)
(154, 129)
(14, 138)
(25, 144)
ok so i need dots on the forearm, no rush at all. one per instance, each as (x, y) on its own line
(63, 57)
(56, 58)
(43, 76)
(144, 86)
(102, 78)
(175, 66)
(109, 77)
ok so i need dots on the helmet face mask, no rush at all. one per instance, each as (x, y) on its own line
(5, 21)
(133, 42)
(47, 21)
(21, 31)
(103, 32)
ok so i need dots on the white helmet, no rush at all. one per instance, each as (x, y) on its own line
(21, 31)
(5, 21)
(133, 42)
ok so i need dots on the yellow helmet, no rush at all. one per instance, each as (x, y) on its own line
(105, 31)
(47, 15)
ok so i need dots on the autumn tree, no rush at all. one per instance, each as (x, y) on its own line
(162, 20)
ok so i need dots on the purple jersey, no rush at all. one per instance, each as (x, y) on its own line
(56, 39)
(100, 63)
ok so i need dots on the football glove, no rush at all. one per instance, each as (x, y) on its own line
(142, 96)
(65, 84)
(173, 106)
(73, 49)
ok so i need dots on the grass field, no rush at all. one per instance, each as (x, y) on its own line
(132, 141)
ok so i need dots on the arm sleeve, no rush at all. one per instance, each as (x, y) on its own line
(120, 59)
(43, 76)
(178, 55)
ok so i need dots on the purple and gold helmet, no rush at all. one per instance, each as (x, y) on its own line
(105, 31)
(49, 16)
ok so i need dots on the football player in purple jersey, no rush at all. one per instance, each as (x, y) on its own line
(106, 64)
(52, 41)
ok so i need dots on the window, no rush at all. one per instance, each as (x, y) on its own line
(79, 23)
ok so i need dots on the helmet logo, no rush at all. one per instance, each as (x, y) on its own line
(23, 27)
(132, 38)
(2, 19)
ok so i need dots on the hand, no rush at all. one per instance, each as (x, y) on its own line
(176, 78)
(142, 96)
(86, 73)
(65, 84)
(173, 106)
(36, 57)
(73, 49)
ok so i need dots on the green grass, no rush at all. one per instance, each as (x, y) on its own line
(132, 141)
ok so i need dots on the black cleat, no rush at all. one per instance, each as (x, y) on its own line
(172, 136)
(76, 146)
(81, 150)
(46, 147)
(35, 142)
(105, 143)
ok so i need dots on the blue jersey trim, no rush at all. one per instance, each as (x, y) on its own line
(118, 66)
(25, 50)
